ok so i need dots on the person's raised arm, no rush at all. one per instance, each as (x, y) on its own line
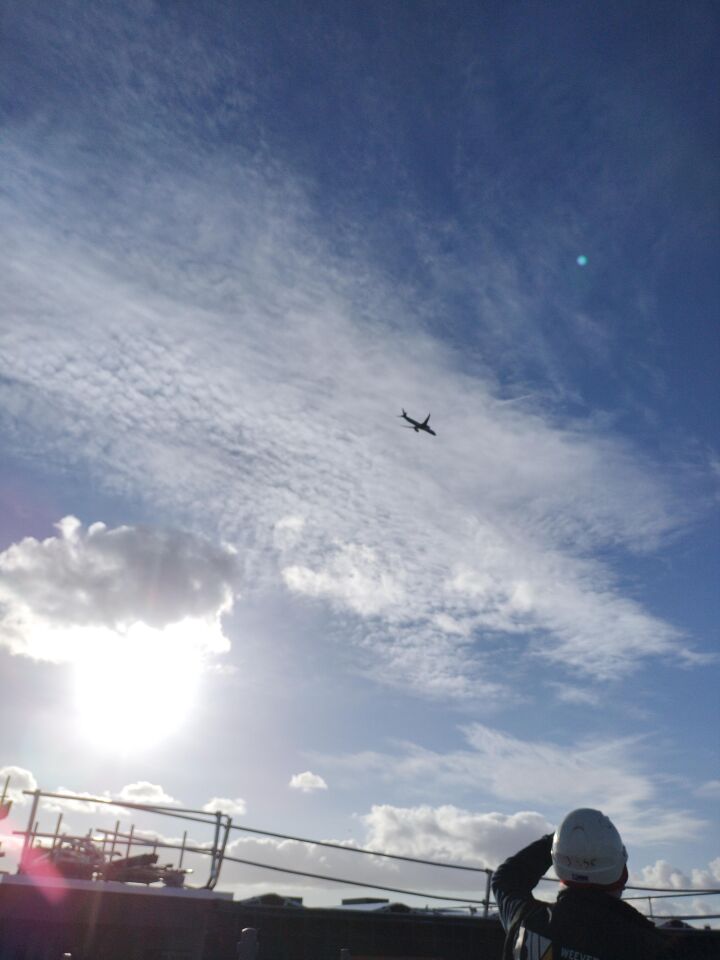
(514, 881)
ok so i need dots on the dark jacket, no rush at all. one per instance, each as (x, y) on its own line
(584, 924)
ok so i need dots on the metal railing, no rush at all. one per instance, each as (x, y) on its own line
(110, 844)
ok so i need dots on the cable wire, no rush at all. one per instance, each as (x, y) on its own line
(372, 853)
(353, 883)
(436, 863)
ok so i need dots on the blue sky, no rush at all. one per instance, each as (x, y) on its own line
(237, 241)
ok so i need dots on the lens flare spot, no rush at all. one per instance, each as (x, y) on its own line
(582, 260)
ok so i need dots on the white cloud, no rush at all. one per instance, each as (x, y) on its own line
(449, 833)
(86, 806)
(63, 592)
(307, 782)
(709, 877)
(20, 779)
(137, 612)
(235, 808)
(147, 793)
(663, 874)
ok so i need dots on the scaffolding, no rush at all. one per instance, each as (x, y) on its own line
(107, 855)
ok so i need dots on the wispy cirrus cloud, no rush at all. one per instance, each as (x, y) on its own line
(711, 789)
(240, 372)
(274, 400)
(555, 776)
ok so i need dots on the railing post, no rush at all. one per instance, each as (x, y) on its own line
(182, 850)
(486, 901)
(56, 835)
(223, 845)
(215, 856)
(247, 948)
(30, 833)
(5, 807)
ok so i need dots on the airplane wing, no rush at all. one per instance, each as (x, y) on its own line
(425, 421)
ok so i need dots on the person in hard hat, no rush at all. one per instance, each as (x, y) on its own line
(588, 920)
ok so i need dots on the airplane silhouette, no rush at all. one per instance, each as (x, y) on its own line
(416, 425)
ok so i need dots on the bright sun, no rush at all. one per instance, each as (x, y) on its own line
(134, 689)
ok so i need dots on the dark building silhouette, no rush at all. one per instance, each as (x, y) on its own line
(101, 922)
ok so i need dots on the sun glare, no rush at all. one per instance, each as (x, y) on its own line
(135, 689)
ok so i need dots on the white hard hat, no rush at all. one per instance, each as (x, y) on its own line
(587, 848)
